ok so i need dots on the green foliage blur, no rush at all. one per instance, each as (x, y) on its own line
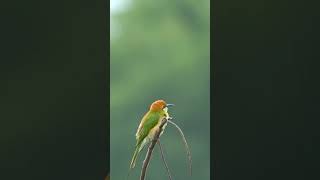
(160, 50)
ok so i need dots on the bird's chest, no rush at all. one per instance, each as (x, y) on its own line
(154, 130)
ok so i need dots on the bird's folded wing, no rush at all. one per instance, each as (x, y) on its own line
(146, 125)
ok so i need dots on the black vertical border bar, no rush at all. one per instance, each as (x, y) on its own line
(284, 54)
(108, 12)
(55, 101)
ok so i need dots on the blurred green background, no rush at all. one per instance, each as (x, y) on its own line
(160, 50)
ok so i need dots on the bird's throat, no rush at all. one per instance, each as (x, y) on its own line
(166, 112)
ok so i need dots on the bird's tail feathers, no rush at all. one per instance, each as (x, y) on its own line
(134, 157)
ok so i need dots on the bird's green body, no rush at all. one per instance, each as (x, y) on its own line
(148, 126)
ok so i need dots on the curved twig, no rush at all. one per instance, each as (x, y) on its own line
(164, 160)
(186, 145)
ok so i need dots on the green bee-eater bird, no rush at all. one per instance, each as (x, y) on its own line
(148, 126)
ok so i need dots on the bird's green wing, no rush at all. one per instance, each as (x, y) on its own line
(147, 126)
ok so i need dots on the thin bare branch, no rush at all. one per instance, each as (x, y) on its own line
(150, 149)
(164, 160)
(186, 145)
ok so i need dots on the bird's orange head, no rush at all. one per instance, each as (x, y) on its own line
(159, 105)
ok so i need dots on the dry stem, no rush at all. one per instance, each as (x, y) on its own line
(186, 145)
(164, 160)
(150, 149)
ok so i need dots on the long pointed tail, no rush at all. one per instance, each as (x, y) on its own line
(134, 158)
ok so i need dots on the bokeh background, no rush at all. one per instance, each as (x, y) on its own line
(160, 50)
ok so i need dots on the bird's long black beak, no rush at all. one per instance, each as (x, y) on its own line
(168, 105)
